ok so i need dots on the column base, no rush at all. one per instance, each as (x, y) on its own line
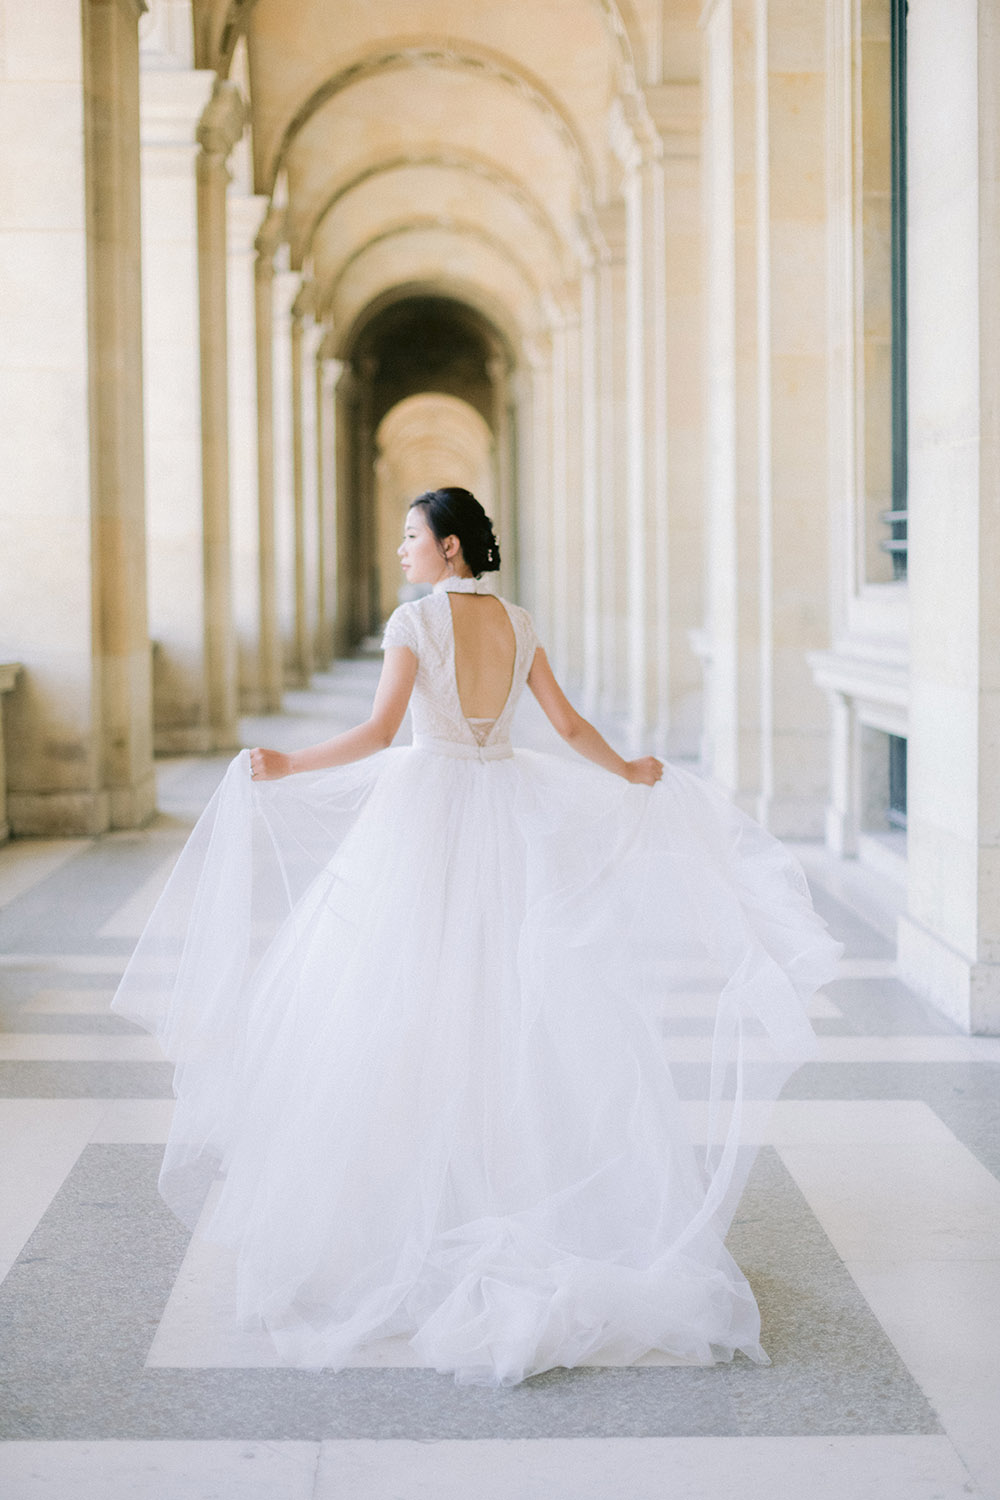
(133, 806)
(58, 815)
(190, 740)
(790, 818)
(967, 992)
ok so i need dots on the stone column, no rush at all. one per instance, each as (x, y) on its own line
(270, 669)
(245, 213)
(676, 112)
(345, 625)
(285, 288)
(76, 724)
(732, 741)
(793, 371)
(768, 547)
(949, 941)
(327, 373)
(562, 499)
(640, 151)
(302, 392)
(536, 526)
(172, 105)
(505, 518)
(589, 499)
(111, 103)
(220, 128)
(571, 545)
(368, 602)
(612, 368)
(312, 338)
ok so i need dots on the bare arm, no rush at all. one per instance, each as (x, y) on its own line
(579, 734)
(399, 669)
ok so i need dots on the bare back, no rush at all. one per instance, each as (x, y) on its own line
(485, 650)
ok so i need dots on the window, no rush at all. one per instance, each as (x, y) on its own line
(896, 518)
(897, 781)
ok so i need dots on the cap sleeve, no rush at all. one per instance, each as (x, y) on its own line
(528, 634)
(400, 630)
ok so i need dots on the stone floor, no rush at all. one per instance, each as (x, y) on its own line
(870, 1231)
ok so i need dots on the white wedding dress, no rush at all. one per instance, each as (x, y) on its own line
(439, 1019)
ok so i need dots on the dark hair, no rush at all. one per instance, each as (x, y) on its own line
(456, 512)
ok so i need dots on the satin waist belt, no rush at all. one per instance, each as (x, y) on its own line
(458, 750)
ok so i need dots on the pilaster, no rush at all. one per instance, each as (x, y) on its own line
(498, 369)
(172, 104)
(270, 670)
(949, 941)
(588, 525)
(731, 642)
(639, 149)
(84, 676)
(219, 129)
(793, 365)
(612, 367)
(302, 391)
(534, 527)
(244, 214)
(111, 101)
(328, 371)
(285, 286)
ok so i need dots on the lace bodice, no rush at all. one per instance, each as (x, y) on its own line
(425, 626)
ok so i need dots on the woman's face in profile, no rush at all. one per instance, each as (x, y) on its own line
(420, 553)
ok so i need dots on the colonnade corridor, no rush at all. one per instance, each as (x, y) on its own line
(869, 1231)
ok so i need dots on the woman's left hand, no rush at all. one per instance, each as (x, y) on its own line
(269, 765)
(646, 771)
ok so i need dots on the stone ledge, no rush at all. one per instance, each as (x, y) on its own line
(10, 671)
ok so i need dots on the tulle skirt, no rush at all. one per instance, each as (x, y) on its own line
(432, 1021)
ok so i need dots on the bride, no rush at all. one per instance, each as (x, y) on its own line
(478, 1038)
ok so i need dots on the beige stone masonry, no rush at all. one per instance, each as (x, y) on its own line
(949, 942)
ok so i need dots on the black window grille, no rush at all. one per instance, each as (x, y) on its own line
(896, 518)
(897, 781)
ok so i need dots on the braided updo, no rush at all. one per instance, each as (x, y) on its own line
(456, 512)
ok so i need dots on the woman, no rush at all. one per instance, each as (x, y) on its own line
(418, 1006)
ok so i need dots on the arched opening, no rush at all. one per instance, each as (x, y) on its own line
(422, 443)
(418, 345)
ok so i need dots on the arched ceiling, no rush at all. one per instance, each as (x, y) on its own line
(448, 144)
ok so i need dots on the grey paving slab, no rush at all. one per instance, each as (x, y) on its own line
(885, 1007)
(80, 1308)
(86, 1080)
(860, 939)
(966, 1095)
(64, 912)
(833, 1371)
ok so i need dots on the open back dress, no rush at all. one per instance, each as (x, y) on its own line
(438, 1019)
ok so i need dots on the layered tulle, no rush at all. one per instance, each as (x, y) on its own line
(432, 1019)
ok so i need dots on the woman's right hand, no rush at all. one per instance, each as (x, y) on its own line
(269, 765)
(646, 771)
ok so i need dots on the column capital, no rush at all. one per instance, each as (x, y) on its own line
(222, 120)
(271, 232)
(674, 111)
(632, 133)
(610, 220)
(664, 119)
(305, 302)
